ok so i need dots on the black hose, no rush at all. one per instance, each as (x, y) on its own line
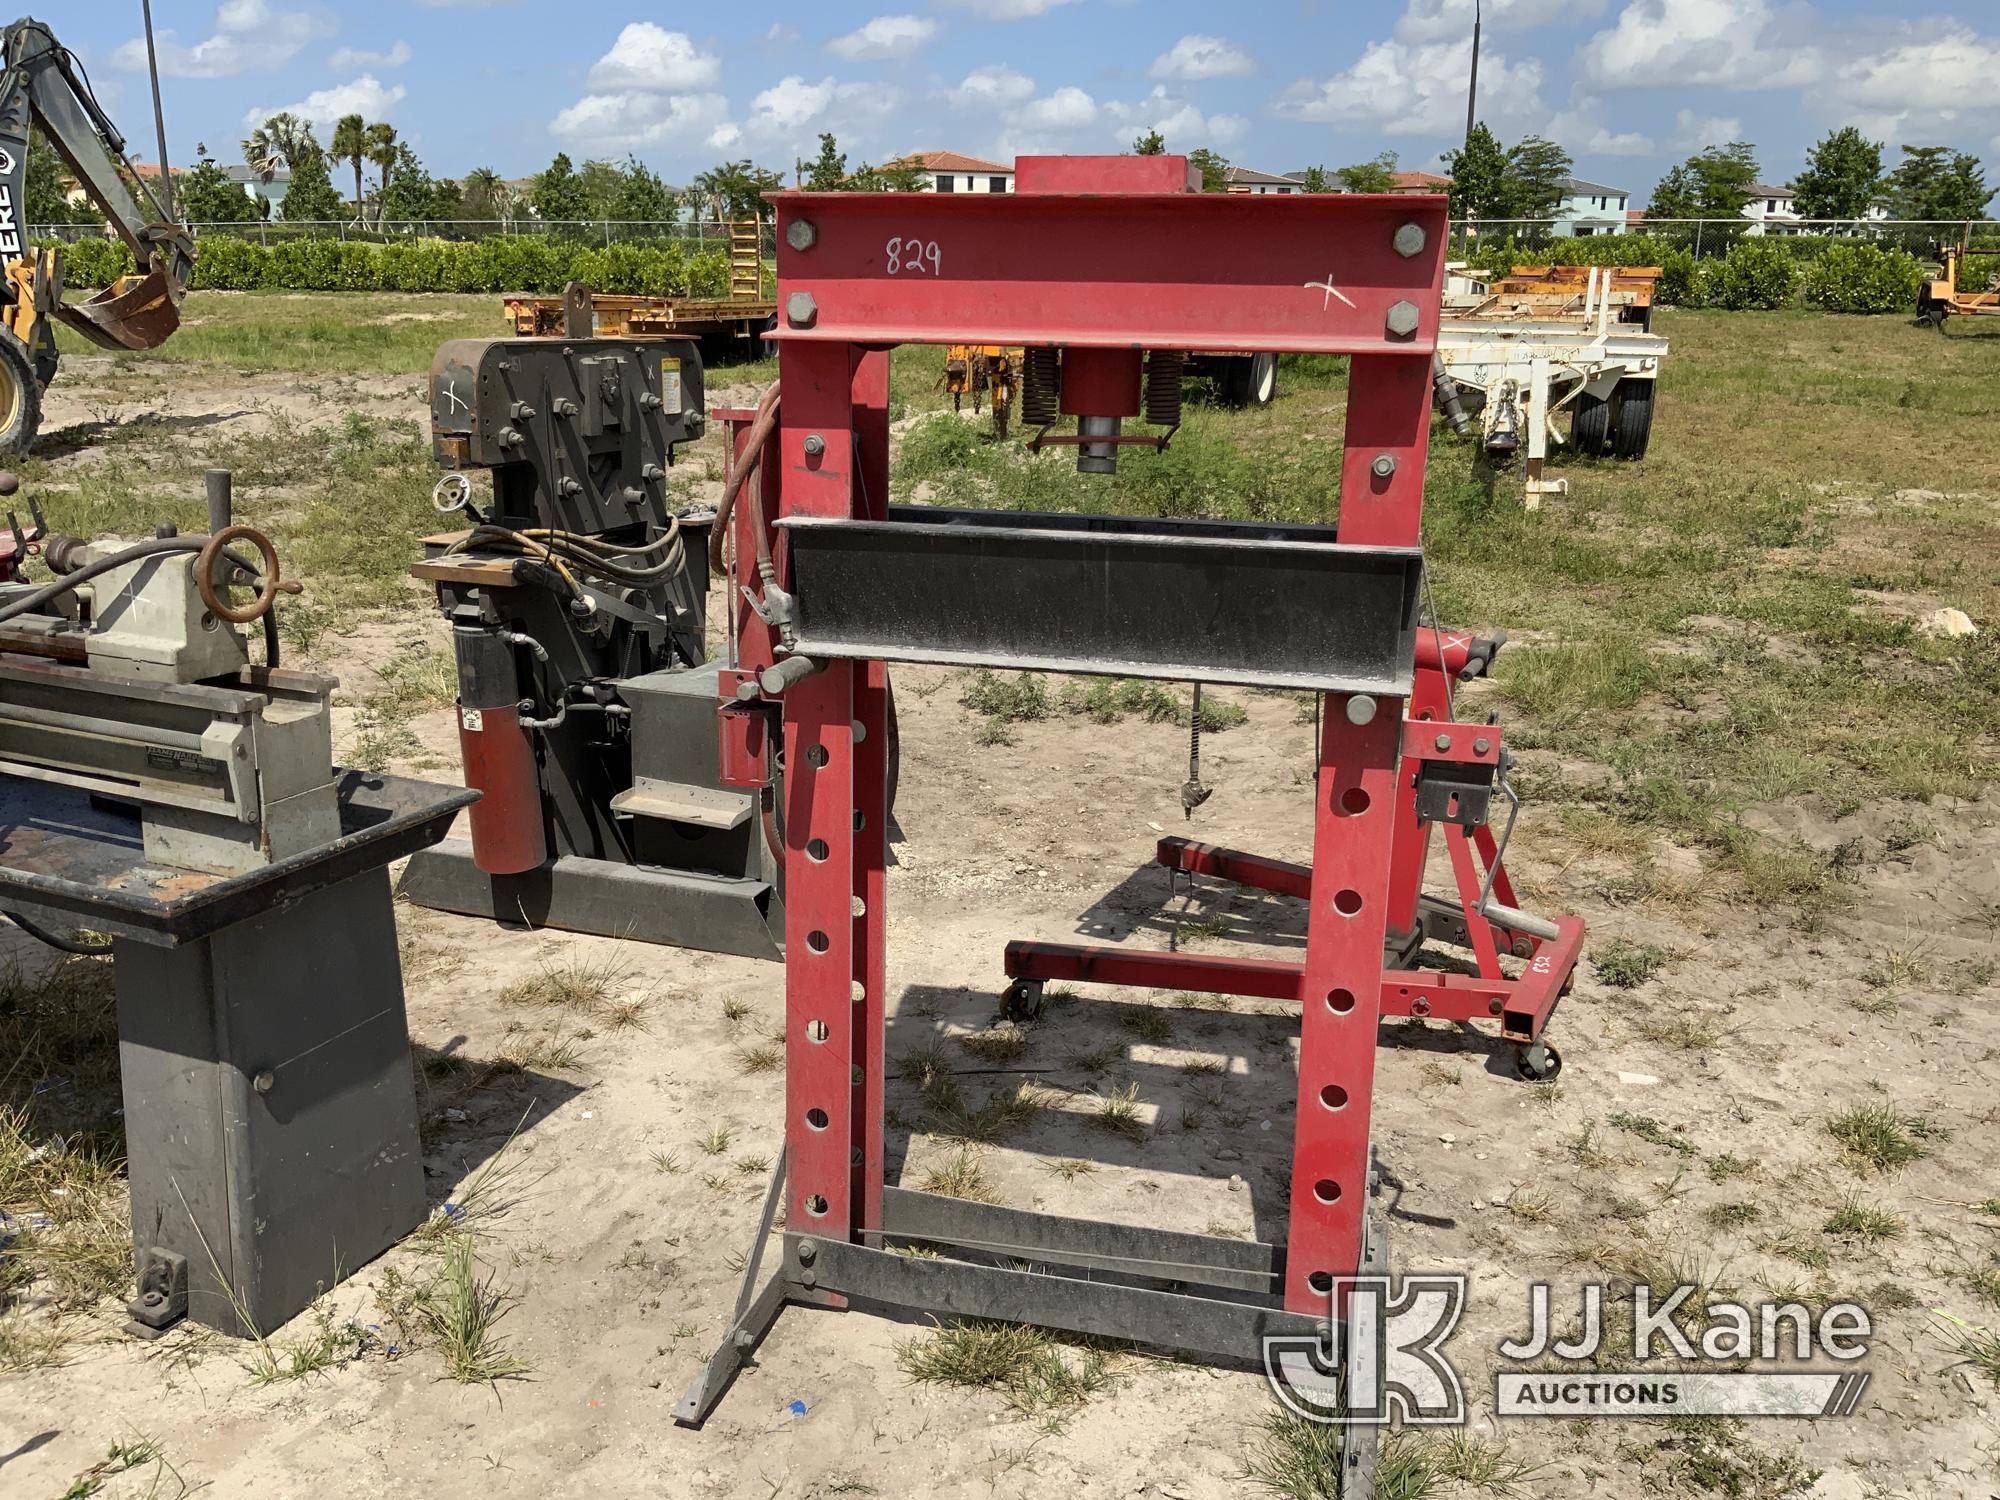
(66, 945)
(158, 546)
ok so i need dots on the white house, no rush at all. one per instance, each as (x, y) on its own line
(1590, 208)
(1774, 210)
(1244, 180)
(953, 172)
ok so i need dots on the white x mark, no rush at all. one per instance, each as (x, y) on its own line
(1331, 291)
(453, 399)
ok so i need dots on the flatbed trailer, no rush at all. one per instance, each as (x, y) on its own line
(710, 319)
(1525, 348)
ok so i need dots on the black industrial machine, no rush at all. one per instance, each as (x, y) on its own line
(587, 706)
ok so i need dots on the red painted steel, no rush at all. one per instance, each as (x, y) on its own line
(499, 760)
(1105, 174)
(869, 395)
(1314, 273)
(1101, 382)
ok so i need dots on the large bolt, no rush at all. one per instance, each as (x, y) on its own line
(1409, 240)
(1402, 320)
(1480, 747)
(815, 445)
(801, 235)
(1360, 709)
(801, 310)
(808, 1252)
(265, 1081)
(1383, 466)
(1443, 742)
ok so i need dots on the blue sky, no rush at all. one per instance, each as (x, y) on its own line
(1627, 86)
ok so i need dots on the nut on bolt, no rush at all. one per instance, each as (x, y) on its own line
(815, 445)
(1383, 466)
(801, 310)
(801, 235)
(1402, 319)
(1409, 240)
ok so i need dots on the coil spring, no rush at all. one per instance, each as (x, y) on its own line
(1041, 385)
(1163, 387)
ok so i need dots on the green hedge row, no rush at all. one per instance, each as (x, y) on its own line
(1839, 275)
(505, 263)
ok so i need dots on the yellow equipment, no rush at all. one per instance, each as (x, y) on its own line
(42, 85)
(984, 372)
(1941, 297)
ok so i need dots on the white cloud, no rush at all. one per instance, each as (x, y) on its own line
(249, 37)
(365, 96)
(1930, 84)
(1733, 44)
(1581, 131)
(780, 35)
(1068, 108)
(1451, 20)
(1693, 132)
(626, 120)
(652, 59)
(1193, 58)
(1403, 88)
(994, 84)
(347, 59)
(1181, 122)
(792, 111)
(885, 36)
(1008, 10)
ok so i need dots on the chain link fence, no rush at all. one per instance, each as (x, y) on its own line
(696, 234)
(1712, 237)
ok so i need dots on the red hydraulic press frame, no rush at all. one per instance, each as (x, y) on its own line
(1155, 269)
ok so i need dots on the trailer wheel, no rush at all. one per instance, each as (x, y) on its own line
(1632, 427)
(1247, 379)
(20, 395)
(1590, 426)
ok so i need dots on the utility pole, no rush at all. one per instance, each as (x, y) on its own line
(159, 118)
(1472, 85)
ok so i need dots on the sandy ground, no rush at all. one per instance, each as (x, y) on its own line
(624, 1237)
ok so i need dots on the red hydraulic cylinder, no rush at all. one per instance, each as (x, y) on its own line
(507, 837)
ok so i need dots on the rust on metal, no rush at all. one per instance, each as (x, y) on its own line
(134, 312)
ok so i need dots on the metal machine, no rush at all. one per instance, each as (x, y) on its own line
(159, 786)
(1520, 350)
(577, 602)
(42, 84)
(1940, 297)
(1087, 266)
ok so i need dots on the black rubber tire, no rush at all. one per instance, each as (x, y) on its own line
(1632, 423)
(20, 396)
(1260, 383)
(1530, 1067)
(1590, 425)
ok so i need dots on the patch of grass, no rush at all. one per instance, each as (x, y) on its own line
(1069, 1168)
(1724, 1167)
(1652, 1131)
(960, 1175)
(1877, 1138)
(1004, 1111)
(1732, 1215)
(1118, 1112)
(1975, 1346)
(1625, 965)
(765, 1057)
(126, 1457)
(716, 1141)
(1302, 1460)
(326, 1344)
(572, 981)
(1037, 1374)
(1147, 1023)
(999, 1044)
(461, 1310)
(1857, 1220)
(1708, 1453)
(1008, 700)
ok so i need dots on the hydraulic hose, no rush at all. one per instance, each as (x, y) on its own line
(158, 546)
(65, 945)
(765, 423)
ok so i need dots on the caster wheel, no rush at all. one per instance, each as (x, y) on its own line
(1021, 1002)
(1524, 948)
(1537, 1062)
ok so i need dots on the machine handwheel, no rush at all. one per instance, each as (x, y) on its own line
(204, 575)
(1022, 1001)
(1537, 1062)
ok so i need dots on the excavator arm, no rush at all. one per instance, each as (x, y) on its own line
(40, 84)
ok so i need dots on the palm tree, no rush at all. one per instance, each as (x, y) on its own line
(483, 195)
(278, 142)
(350, 144)
(382, 152)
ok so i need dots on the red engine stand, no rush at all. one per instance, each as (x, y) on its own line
(1087, 257)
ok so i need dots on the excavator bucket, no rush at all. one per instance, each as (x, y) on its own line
(134, 312)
